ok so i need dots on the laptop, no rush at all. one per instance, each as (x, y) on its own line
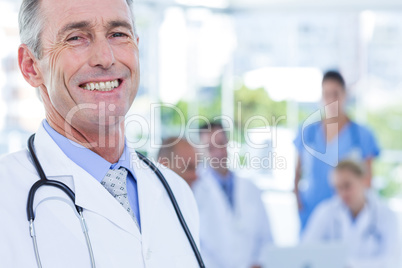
(307, 256)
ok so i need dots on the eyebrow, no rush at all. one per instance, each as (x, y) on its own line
(74, 26)
(87, 24)
(119, 23)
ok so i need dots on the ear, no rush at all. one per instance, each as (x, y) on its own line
(28, 66)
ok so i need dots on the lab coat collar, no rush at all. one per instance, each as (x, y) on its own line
(211, 185)
(90, 194)
(364, 216)
(150, 191)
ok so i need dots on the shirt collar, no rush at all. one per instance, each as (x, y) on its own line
(226, 180)
(88, 160)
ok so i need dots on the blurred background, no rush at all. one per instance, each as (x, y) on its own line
(242, 58)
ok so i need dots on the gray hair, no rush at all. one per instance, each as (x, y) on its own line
(31, 23)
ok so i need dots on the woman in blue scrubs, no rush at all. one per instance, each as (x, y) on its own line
(321, 145)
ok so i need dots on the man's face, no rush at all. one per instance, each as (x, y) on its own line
(90, 60)
(333, 91)
(186, 162)
(217, 147)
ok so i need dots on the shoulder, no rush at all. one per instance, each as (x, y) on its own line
(205, 190)
(382, 207)
(205, 180)
(17, 175)
(368, 142)
(249, 194)
(363, 130)
(16, 157)
(302, 129)
(327, 207)
(306, 134)
(320, 217)
(246, 184)
(16, 163)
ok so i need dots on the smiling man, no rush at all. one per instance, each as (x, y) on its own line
(82, 55)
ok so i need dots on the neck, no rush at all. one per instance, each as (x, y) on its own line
(341, 120)
(106, 141)
(222, 171)
(357, 208)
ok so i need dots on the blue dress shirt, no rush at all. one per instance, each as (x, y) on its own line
(95, 165)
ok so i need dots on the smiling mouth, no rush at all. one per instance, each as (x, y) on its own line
(101, 86)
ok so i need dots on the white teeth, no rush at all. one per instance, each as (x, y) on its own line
(101, 86)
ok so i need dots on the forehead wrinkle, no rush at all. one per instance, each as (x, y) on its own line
(76, 25)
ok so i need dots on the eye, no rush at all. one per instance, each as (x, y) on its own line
(74, 38)
(119, 35)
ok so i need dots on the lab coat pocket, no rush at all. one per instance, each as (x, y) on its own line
(186, 261)
(371, 246)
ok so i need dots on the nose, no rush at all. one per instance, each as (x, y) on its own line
(102, 54)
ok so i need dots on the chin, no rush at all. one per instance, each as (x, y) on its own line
(348, 204)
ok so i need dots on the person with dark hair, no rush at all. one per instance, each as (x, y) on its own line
(357, 218)
(321, 145)
(334, 76)
(234, 225)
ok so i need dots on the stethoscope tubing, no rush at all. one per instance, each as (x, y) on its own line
(31, 195)
(176, 208)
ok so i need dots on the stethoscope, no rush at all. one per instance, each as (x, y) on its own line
(45, 182)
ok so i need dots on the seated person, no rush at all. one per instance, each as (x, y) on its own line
(357, 218)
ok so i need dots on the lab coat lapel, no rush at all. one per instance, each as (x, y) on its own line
(343, 224)
(239, 202)
(221, 195)
(149, 192)
(363, 221)
(90, 194)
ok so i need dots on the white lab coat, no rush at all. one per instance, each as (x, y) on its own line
(231, 238)
(116, 240)
(372, 240)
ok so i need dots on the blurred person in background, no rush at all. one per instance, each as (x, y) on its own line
(335, 138)
(357, 218)
(234, 226)
(181, 157)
